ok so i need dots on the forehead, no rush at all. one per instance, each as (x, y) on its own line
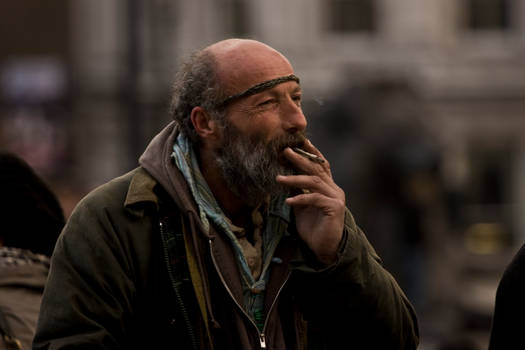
(248, 64)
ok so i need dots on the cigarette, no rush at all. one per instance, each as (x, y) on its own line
(308, 155)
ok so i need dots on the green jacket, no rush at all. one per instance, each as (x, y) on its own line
(133, 268)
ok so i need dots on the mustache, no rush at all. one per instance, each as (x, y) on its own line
(277, 145)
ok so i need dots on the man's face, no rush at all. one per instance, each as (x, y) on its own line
(263, 115)
(270, 113)
(250, 163)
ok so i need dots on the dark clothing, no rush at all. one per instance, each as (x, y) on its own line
(509, 307)
(119, 279)
(31, 219)
(31, 215)
(22, 278)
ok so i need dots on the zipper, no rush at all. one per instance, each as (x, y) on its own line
(275, 299)
(262, 336)
(176, 288)
(262, 339)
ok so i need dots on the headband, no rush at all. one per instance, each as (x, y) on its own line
(259, 87)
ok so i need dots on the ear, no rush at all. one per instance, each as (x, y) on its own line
(204, 125)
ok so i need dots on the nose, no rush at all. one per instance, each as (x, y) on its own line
(293, 118)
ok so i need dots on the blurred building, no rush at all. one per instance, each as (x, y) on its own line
(448, 75)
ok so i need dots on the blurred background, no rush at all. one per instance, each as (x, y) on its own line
(418, 104)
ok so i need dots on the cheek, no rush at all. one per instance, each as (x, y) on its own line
(267, 129)
(263, 126)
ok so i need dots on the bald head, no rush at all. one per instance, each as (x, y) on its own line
(243, 63)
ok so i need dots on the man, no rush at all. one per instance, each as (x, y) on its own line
(224, 237)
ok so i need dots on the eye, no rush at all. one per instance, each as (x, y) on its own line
(297, 99)
(267, 102)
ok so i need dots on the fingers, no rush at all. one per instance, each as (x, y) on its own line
(308, 146)
(328, 203)
(316, 191)
(315, 176)
(308, 155)
(303, 161)
(311, 183)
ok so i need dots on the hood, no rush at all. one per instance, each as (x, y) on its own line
(19, 267)
(158, 161)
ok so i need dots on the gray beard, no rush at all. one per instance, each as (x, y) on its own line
(250, 166)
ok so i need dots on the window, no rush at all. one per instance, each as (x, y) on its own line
(488, 14)
(346, 16)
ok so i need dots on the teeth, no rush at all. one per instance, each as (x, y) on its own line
(308, 155)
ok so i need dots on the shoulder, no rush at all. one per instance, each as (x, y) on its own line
(109, 194)
(104, 212)
(514, 274)
(120, 193)
(103, 226)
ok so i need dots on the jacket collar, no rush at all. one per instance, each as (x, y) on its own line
(141, 189)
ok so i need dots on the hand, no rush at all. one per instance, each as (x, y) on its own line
(320, 207)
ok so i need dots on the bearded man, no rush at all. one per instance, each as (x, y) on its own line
(231, 234)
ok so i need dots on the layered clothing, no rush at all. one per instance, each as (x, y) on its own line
(138, 266)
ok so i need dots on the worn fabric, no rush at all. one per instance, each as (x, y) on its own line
(112, 283)
(22, 278)
(252, 249)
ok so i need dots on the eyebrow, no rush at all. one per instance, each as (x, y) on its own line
(255, 89)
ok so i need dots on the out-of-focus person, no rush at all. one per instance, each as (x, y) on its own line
(509, 307)
(31, 219)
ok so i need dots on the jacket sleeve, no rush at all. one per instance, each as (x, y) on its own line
(90, 291)
(355, 302)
